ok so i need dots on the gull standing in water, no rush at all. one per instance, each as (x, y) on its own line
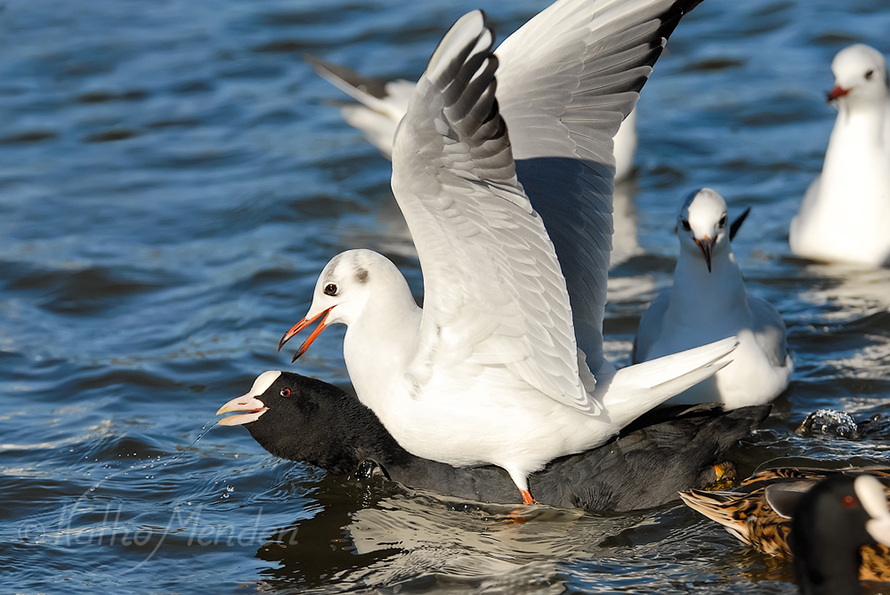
(708, 301)
(845, 214)
(504, 364)
(382, 105)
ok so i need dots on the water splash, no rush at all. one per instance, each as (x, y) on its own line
(208, 425)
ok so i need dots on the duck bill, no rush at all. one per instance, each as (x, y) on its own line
(706, 246)
(252, 407)
(300, 326)
(836, 93)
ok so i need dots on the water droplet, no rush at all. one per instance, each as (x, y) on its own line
(225, 495)
(189, 502)
(236, 455)
(230, 489)
(92, 488)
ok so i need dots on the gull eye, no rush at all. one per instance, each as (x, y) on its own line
(722, 222)
(685, 224)
(869, 74)
(285, 392)
(330, 289)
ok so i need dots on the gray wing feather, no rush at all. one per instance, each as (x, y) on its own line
(565, 97)
(769, 329)
(650, 328)
(494, 291)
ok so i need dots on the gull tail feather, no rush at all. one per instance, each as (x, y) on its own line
(636, 389)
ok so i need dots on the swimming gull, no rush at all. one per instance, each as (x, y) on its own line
(845, 213)
(708, 301)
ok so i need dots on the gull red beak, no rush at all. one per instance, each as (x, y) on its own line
(300, 326)
(836, 92)
(706, 246)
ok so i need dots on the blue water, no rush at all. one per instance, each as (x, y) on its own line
(172, 179)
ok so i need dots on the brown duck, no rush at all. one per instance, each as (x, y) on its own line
(759, 511)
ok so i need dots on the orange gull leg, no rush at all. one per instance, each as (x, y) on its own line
(527, 498)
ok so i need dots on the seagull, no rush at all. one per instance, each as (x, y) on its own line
(381, 106)
(504, 364)
(708, 301)
(845, 214)
(305, 419)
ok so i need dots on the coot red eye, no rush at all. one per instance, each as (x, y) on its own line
(285, 392)
(849, 501)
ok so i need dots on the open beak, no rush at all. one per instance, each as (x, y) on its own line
(300, 326)
(706, 246)
(836, 92)
(253, 407)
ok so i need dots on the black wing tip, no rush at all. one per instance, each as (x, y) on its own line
(326, 70)
(670, 18)
(736, 225)
(446, 37)
(463, 70)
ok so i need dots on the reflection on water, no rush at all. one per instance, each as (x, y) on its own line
(401, 538)
(846, 291)
(173, 178)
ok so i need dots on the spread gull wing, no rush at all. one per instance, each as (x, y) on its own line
(565, 96)
(494, 291)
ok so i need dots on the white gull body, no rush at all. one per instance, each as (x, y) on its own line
(382, 105)
(497, 366)
(708, 301)
(845, 214)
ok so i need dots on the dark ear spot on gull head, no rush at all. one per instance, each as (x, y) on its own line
(362, 275)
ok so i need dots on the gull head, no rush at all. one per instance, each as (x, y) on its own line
(860, 75)
(345, 286)
(702, 227)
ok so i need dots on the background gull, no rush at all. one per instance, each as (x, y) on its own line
(845, 214)
(709, 301)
